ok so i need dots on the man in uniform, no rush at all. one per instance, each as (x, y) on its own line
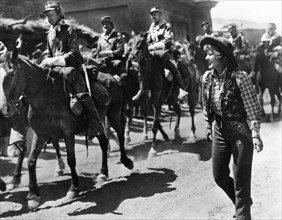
(207, 28)
(159, 41)
(110, 50)
(64, 57)
(241, 48)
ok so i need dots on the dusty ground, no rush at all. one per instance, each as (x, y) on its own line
(177, 184)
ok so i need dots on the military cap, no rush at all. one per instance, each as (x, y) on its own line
(52, 5)
(106, 19)
(155, 9)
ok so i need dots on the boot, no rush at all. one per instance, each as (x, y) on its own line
(95, 126)
(176, 75)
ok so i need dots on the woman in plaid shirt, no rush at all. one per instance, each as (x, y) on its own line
(230, 101)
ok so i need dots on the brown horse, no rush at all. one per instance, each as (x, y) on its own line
(51, 116)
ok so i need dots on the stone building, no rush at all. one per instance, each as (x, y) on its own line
(184, 15)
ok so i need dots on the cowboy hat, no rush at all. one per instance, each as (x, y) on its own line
(222, 44)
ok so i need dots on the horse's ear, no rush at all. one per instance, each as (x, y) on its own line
(15, 54)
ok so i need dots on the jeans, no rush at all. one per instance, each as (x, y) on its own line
(233, 140)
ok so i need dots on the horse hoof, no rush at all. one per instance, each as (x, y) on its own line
(152, 153)
(127, 140)
(34, 203)
(145, 137)
(101, 179)
(11, 186)
(58, 173)
(71, 195)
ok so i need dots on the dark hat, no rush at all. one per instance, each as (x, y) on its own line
(204, 23)
(49, 6)
(222, 44)
(106, 19)
(155, 9)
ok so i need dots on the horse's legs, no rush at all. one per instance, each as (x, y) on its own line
(70, 146)
(145, 125)
(127, 129)
(103, 176)
(272, 103)
(177, 110)
(119, 126)
(33, 197)
(260, 98)
(60, 167)
(165, 136)
(16, 180)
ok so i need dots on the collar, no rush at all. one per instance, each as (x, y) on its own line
(161, 22)
(103, 35)
(220, 76)
(58, 26)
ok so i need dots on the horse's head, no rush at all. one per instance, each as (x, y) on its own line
(11, 86)
(138, 47)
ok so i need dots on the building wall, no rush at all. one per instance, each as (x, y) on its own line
(184, 15)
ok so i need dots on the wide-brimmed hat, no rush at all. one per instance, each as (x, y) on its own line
(155, 9)
(222, 44)
(106, 19)
(52, 5)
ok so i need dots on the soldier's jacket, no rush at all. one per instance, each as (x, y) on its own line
(62, 41)
(113, 42)
(160, 32)
(239, 44)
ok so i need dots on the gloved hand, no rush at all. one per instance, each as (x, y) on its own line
(53, 61)
(209, 134)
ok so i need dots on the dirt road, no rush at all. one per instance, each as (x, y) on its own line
(177, 184)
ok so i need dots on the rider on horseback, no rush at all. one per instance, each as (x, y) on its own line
(110, 50)
(159, 39)
(64, 57)
(238, 42)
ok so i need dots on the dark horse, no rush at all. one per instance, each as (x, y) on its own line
(196, 55)
(51, 116)
(266, 78)
(152, 72)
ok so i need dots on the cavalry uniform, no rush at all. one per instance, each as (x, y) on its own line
(160, 43)
(112, 61)
(62, 46)
(240, 46)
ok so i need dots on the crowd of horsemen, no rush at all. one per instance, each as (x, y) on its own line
(63, 55)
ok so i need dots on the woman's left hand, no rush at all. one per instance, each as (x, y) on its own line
(258, 144)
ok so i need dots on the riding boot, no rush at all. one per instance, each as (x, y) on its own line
(140, 93)
(95, 126)
(176, 74)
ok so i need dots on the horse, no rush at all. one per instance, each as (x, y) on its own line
(152, 72)
(50, 116)
(189, 76)
(266, 77)
(19, 137)
(195, 55)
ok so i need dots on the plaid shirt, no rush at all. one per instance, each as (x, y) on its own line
(218, 93)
